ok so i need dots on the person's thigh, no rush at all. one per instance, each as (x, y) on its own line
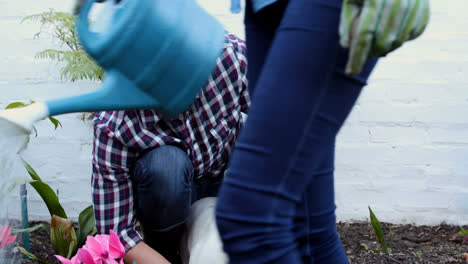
(260, 29)
(315, 227)
(293, 80)
(163, 183)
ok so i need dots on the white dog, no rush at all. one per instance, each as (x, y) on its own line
(201, 243)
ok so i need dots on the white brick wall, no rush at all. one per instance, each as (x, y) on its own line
(403, 150)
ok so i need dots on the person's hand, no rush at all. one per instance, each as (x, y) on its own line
(374, 28)
(143, 254)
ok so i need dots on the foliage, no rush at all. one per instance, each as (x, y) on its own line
(78, 65)
(65, 240)
(378, 232)
(33, 228)
(463, 232)
(47, 194)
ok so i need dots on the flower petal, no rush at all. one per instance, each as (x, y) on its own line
(104, 240)
(63, 260)
(110, 261)
(84, 256)
(94, 247)
(5, 232)
(75, 260)
(116, 249)
(11, 239)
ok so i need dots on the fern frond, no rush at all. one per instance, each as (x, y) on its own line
(78, 65)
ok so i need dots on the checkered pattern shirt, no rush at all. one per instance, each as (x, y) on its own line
(206, 132)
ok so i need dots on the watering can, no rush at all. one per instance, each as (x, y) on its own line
(157, 54)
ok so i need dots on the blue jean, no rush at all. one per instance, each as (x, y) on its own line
(276, 204)
(165, 189)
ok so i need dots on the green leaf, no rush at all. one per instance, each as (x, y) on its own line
(463, 232)
(15, 105)
(32, 256)
(33, 228)
(47, 194)
(76, 64)
(365, 246)
(378, 231)
(55, 122)
(63, 236)
(86, 225)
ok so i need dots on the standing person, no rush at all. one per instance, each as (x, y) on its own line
(152, 168)
(276, 204)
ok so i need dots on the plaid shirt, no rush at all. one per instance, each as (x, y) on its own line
(206, 132)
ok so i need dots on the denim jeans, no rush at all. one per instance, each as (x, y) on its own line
(276, 204)
(165, 189)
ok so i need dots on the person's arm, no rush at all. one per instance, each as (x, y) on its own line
(143, 254)
(241, 50)
(112, 194)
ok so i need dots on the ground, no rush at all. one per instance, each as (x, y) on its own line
(410, 244)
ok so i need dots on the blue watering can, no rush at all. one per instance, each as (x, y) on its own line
(157, 54)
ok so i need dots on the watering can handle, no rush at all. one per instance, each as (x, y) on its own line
(85, 35)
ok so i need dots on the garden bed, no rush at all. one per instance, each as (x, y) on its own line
(410, 244)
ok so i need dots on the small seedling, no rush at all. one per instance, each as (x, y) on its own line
(379, 233)
(463, 232)
(365, 246)
(417, 254)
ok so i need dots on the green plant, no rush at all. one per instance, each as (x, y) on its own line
(65, 240)
(376, 226)
(463, 232)
(365, 246)
(77, 64)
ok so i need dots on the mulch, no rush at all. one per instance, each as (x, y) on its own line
(410, 244)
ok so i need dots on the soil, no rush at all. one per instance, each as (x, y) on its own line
(409, 244)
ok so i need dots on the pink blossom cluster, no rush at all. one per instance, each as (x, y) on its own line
(100, 249)
(5, 235)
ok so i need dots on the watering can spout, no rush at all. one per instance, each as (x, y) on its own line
(25, 117)
(116, 92)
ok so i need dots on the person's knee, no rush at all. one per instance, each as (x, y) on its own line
(162, 179)
(163, 167)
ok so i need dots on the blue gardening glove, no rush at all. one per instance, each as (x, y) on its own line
(374, 28)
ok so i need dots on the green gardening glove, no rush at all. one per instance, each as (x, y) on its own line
(374, 28)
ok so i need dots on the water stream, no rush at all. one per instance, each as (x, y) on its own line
(13, 139)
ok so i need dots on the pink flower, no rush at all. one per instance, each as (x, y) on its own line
(5, 238)
(63, 260)
(101, 249)
(105, 249)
